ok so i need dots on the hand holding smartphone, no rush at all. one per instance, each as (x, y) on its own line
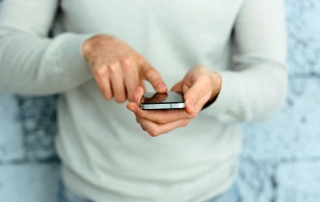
(160, 101)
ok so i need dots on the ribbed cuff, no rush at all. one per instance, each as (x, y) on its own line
(228, 101)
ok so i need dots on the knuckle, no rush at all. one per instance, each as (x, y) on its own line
(142, 115)
(143, 127)
(127, 63)
(193, 115)
(114, 67)
(203, 78)
(163, 120)
(185, 123)
(153, 133)
(100, 71)
(199, 76)
(194, 97)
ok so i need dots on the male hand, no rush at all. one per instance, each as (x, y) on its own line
(199, 86)
(118, 69)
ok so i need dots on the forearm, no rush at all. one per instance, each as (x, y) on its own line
(253, 93)
(31, 63)
(256, 88)
(36, 66)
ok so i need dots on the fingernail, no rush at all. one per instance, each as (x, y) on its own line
(191, 104)
(132, 109)
(161, 86)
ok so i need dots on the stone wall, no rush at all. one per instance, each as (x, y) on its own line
(281, 157)
(280, 160)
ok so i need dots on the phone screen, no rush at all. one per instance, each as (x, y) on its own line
(158, 98)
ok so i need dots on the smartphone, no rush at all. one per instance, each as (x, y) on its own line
(170, 100)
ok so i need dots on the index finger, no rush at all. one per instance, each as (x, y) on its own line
(150, 74)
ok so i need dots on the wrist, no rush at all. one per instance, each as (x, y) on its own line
(216, 87)
(86, 47)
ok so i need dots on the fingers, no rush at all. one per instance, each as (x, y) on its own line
(133, 106)
(157, 122)
(150, 74)
(122, 79)
(131, 77)
(155, 129)
(116, 77)
(117, 68)
(107, 91)
(102, 79)
(197, 89)
(118, 80)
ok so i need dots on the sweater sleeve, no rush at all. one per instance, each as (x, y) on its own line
(31, 63)
(257, 86)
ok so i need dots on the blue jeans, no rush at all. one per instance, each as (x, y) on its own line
(65, 195)
(231, 195)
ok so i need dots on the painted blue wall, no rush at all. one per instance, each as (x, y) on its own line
(280, 160)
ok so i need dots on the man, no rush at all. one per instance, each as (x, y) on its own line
(227, 57)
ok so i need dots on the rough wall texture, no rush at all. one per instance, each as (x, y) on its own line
(280, 160)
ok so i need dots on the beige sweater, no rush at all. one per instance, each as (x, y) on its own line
(105, 154)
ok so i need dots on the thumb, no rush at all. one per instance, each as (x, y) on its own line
(150, 74)
(196, 91)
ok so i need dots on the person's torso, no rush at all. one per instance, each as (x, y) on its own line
(100, 140)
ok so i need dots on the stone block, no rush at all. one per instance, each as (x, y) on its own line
(303, 19)
(298, 182)
(39, 126)
(256, 181)
(29, 182)
(291, 134)
(11, 140)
